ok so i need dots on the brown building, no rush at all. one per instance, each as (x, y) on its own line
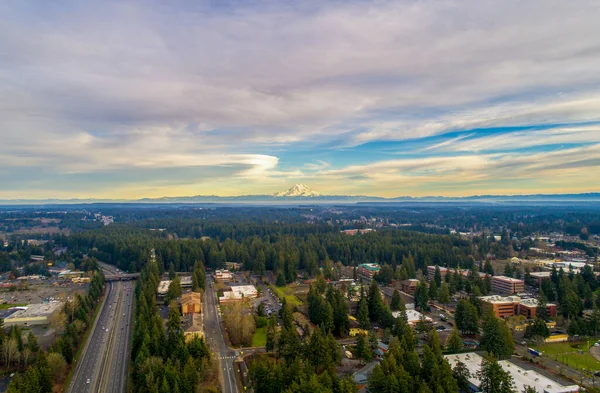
(502, 306)
(528, 308)
(368, 270)
(507, 285)
(448, 270)
(408, 286)
(193, 326)
(191, 303)
(538, 277)
(508, 306)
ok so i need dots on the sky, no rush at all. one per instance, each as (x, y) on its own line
(130, 99)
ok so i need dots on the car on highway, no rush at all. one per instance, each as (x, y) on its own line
(87, 381)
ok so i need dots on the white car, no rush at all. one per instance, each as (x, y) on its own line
(87, 381)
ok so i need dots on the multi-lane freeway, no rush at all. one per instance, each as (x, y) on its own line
(216, 340)
(102, 366)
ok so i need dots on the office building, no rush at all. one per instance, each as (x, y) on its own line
(507, 285)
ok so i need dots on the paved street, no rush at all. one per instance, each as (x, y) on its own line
(102, 366)
(216, 340)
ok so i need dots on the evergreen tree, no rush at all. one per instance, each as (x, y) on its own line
(396, 300)
(493, 378)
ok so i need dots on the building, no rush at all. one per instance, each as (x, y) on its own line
(70, 274)
(362, 375)
(502, 306)
(507, 285)
(223, 275)
(408, 286)
(508, 306)
(81, 280)
(186, 281)
(233, 266)
(521, 377)
(412, 316)
(446, 270)
(368, 270)
(191, 303)
(239, 293)
(538, 277)
(356, 331)
(34, 314)
(163, 287)
(528, 308)
(193, 326)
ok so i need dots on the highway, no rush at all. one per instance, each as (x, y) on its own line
(103, 364)
(216, 340)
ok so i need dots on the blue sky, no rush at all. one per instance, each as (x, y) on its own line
(131, 99)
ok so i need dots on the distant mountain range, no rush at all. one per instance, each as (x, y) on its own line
(301, 193)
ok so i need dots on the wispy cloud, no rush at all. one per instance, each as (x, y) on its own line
(122, 86)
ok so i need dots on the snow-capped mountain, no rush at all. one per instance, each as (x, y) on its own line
(297, 190)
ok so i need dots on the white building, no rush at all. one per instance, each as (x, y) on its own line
(412, 315)
(33, 314)
(239, 292)
(163, 287)
(521, 376)
(223, 275)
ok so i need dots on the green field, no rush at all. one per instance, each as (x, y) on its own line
(573, 354)
(6, 306)
(259, 339)
(288, 294)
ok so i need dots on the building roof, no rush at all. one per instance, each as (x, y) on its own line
(193, 323)
(521, 376)
(361, 375)
(370, 266)
(413, 316)
(496, 299)
(540, 274)
(244, 290)
(191, 297)
(35, 310)
(163, 286)
(507, 279)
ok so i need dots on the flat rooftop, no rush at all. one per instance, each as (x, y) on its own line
(35, 310)
(496, 299)
(521, 376)
(507, 279)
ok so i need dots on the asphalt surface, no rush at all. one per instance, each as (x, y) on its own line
(102, 366)
(216, 341)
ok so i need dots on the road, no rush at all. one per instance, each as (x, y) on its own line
(216, 340)
(102, 366)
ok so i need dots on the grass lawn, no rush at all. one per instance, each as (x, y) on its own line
(260, 337)
(572, 354)
(288, 294)
(6, 306)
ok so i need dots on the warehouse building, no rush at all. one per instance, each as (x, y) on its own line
(34, 314)
(521, 377)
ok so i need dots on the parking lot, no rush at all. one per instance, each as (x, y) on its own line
(44, 290)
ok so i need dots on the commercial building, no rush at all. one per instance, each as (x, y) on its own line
(239, 293)
(521, 377)
(446, 270)
(412, 316)
(368, 270)
(191, 303)
(502, 306)
(186, 281)
(70, 274)
(163, 287)
(538, 277)
(508, 306)
(223, 275)
(528, 308)
(34, 314)
(507, 285)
